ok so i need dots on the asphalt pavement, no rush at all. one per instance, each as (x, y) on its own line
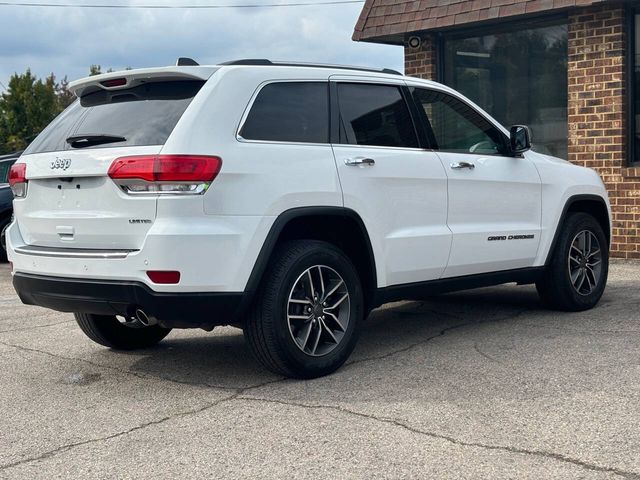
(483, 384)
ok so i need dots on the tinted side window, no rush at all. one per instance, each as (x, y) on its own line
(375, 115)
(5, 166)
(290, 112)
(144, 115)
(456, 127)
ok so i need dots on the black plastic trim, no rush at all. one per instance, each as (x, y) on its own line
(264, 62)
(414, 114)
(420, 290)
(573, 199)
(630, 12)
(110, 297)
(334, 114)
(278, 226)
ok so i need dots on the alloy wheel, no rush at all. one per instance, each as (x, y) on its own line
(318, 310)
(585, 262)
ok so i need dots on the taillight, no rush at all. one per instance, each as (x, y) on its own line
(18, 179)
(164, 276)
(165, 174)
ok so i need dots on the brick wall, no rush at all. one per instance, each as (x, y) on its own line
(597, 115)
(421, 62)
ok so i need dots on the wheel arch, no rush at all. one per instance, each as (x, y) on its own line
(347, 231)
(594, 205)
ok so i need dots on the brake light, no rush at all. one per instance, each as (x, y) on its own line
(116, 82)
(165, 174)
(18, 179)
(164, 276)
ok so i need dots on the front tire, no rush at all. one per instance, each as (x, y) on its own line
(576, 277)
(107, 330)
(305, 320)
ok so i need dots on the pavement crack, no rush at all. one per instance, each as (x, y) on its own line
(478, 350)
(36, 327)
(441, 333)
(411, 346)
(504, 448)
(186, 413)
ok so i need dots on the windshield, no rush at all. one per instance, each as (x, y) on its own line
(142, 115)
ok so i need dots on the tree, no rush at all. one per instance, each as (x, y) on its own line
(65, 97)
(30, 104)
(26, 108)
(97, 70)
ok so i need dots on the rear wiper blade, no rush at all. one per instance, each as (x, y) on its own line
(91, 139)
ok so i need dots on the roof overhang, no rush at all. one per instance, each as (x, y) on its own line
(392, 22)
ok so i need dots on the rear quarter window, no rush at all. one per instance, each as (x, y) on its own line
(289, 112)
(143, 115)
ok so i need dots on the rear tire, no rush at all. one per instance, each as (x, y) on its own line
(576, 277)
(289, 330)
(108, 331)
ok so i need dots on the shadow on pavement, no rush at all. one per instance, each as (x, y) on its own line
(222, 359)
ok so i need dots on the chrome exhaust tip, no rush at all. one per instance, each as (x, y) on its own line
(145, 319)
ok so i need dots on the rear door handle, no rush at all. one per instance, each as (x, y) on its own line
(461, 165)
(358, 161)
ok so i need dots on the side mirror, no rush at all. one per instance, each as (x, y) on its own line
(519, 139)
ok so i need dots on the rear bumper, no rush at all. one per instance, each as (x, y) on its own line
(110, 297)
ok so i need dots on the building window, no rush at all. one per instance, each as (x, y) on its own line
(519, 77)
(634, 88)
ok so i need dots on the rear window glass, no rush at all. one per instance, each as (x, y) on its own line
(143, 115)
(290, 112)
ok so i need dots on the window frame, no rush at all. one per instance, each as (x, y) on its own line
(247, 111)
(425, 123)
(406, 96)
(632, 159)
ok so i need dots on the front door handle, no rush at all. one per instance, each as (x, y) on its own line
(461, 165)
(359, 161)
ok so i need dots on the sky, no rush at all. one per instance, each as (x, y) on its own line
(66, 41)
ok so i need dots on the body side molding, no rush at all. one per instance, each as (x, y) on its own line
(281, 222)
(570, 201)
(420, 290)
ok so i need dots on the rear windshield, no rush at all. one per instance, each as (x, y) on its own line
(142, 115)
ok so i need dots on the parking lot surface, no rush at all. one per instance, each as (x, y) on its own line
(481, 384)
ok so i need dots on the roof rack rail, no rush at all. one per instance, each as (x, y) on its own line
(264, 61)
(186, 62)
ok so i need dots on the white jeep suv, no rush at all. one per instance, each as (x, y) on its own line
(289, 200)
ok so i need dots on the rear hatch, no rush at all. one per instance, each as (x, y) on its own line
(71, 202)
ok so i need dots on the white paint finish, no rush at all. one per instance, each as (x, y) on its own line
(560, 181)
(139, 76)
(402, 200)
(257, 178)
(214, 239)
(499, 197)
(98, 212)
(213, 255)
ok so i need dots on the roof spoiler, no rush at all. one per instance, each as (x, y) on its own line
(131, 78)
